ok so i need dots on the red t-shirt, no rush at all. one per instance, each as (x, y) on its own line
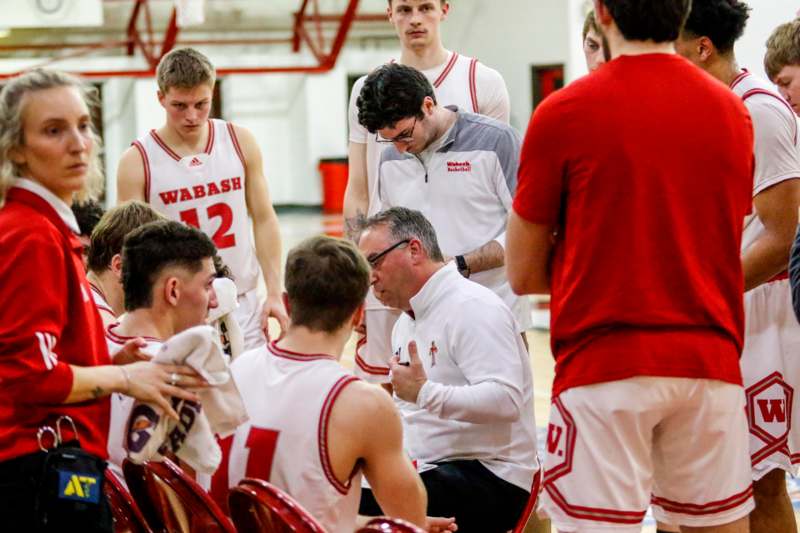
(48, 321)
(645, 168)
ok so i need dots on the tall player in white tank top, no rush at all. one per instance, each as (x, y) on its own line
(457, 80)
(769, 362)
(209, 174)
(314, 429)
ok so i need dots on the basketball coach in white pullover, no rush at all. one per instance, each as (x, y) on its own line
(461, 378)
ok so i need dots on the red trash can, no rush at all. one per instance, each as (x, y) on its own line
(334, 181)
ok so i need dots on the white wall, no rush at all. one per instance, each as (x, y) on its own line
(510, 36)
(119, 126)
(765, 16)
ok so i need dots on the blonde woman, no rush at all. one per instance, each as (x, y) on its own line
(53, 355)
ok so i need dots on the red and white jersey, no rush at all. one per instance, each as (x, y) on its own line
(207, 191)
(100, 299)
(289, 398)
(461, 81)
(121, 404)
(777, 153)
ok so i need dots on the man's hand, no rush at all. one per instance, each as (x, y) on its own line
(437, 524)
(131, 352)
(273, 307)
(408, 378)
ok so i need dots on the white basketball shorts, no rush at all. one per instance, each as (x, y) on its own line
(614, 448)
(771, 373)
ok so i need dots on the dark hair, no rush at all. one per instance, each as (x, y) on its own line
(391, 93)
(404, 223)
(326, 280)
(88, 214)
(110, 232)
(783, 48)
(722, 21)
(649, 20)
(221, 268)
(148, 250)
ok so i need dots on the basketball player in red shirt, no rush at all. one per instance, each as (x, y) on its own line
(645, 281)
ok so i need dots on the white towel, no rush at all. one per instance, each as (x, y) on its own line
(221, 317)
(151, 434)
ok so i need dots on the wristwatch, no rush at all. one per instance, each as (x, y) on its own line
(463, 267)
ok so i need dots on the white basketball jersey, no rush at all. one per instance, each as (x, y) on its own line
(100, 299)
(289, 398)
(121, 404)
(207, 191)
(777, 154)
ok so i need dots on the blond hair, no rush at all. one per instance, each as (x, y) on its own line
(783, 48)
(109, 233)
(12, 106)
(590, 23)
(184, 68)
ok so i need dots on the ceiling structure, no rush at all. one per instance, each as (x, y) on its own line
(315, 30)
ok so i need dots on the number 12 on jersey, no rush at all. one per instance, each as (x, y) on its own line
(222, 238)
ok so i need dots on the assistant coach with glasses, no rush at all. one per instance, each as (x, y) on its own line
(458, 168)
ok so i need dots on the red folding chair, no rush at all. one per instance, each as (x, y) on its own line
(384, 524)
(172, 501)
(127, 516)
(256, 505)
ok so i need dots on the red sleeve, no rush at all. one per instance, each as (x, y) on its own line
(33, 289)
(541, 168)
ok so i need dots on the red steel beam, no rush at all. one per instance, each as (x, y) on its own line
(121, 44)
(171, 34)
(326, 61)
(315, 50)
(132, 25)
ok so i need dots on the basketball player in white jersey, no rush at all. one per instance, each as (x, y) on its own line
(782, 61)
(769, 360)
(315, 429)
(104, 260)
(458, 80)
(209, 174)
(167, 275)
(595, 47)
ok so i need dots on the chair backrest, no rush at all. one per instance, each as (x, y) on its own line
(127, 516)
(172, 501)
(392, 525)
(257, 505)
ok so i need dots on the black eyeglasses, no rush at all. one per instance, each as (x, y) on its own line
(374, 259)
(405, 137)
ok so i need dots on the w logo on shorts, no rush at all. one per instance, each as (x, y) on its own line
(769, 408)
(561, 434)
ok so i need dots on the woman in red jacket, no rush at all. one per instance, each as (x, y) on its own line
(53, 355)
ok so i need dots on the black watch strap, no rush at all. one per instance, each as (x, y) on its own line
(462, 266)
